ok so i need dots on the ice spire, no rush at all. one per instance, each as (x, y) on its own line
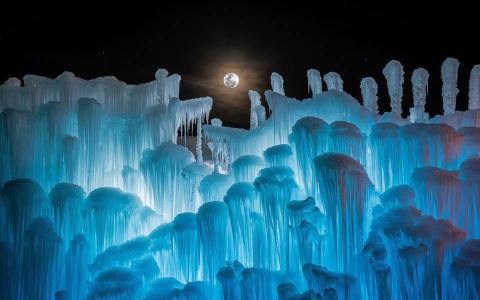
(172, 87)
(277, 83)
(474, 88)
(216, 147)
(449, 87)
(333, 81)
(160, 80)
(393, 73)
(369, 93)
(420, 91)
(314, 82)
(254, 103)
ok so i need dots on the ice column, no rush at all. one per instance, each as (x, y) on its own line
(279, 155)
(346, 138)
(23, 200)
(420, 90)
(193, 174)
(254, 102)
(241, 202)
(277, 83)
(369, 89)
(247, 167)
(345, 191)
(449, 87)
(276, 186)
(333, 81)
(107, 215)
(76, 267)
(214, 186)
(386, 156)
(162, 169)
(393, 73)
(42, 260)
(314, 82)
(185, 245)
(309, 137)
(67, 201)
(474, 88)
(469, 207)
(308, 230)
(437, 193)
(213, 230)
(160, 80)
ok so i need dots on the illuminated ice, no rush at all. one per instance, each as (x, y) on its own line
(98, 201)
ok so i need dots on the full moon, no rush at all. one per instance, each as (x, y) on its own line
(231, 80)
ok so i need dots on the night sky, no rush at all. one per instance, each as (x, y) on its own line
(203, 42)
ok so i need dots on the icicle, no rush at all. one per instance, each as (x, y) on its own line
(393, 72)
(369, 89)
(449, 87)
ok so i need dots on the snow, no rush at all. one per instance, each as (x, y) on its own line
(393, 72)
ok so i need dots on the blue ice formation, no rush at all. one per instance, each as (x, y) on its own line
(107, 191)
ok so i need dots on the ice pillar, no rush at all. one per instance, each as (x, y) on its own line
(449, 87)
(393, 73)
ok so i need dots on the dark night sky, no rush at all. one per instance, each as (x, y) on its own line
(202, 42)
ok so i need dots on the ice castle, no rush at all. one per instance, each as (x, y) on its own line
(322, 198)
